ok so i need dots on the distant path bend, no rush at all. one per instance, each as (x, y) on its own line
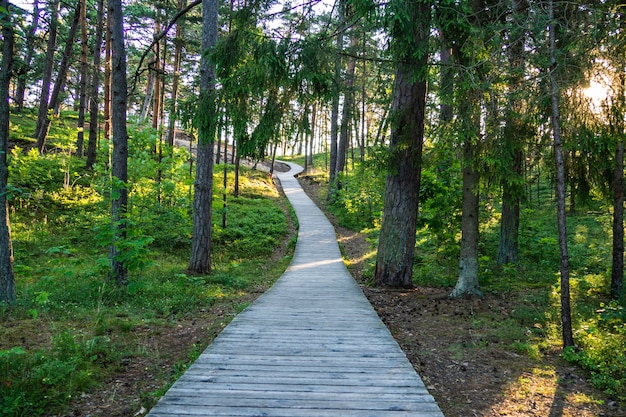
(311, 346)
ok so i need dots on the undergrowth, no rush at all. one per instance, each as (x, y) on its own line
(72, 326)
(534, 326)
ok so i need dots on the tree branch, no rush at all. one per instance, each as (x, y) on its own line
(158, 38)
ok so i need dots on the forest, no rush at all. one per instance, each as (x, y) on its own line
(476, 147)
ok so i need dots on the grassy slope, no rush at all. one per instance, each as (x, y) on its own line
(73, 333)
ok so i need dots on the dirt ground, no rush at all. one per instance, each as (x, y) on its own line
(468, 377)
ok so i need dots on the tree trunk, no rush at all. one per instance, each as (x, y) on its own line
(334, 115)
(514, 136)
(25, 67)
(46, 80)
(59, 83)
(396, 247)
(147, 101)
(177, 53)
(566, 315)
(346, 115)
(446, 76)
(80, 140)
(469, 134)
(225, 182)
(467, 282)
(237, 166)
(312, 141)
(200, 261)
(94, 87)
(156, 99)
(617, 269)
(119, 167)
(107, 80)
(509, 228)
(7, 276)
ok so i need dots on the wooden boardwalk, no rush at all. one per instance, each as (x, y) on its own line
(310, 346)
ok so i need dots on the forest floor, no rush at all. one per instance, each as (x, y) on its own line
(467, 374)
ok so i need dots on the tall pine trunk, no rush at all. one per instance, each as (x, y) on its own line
(313, 132)
(470, 88)
(178, 42)
(7, 277)
(346, 115)
(94, 105)
(25, 67)
(42, 129)
(200, 260)
(107, 79)
(334, 114)
(147, 101)
(46, 80)
(566, 315)
(80, 140)
(119, 167)
(396, 246)
(514, 131)
(617, 267)
(467, 281)
(156, 100)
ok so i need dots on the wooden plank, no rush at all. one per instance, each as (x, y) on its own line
(185, 411)
(311, 346)
(287, 390)
(294, 404)
(257, 391)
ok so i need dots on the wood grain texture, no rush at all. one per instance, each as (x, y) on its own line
(311, 346)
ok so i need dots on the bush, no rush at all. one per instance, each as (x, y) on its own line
(603, 350)
(34, 382)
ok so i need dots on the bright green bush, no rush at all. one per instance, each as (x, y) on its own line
(602, 352)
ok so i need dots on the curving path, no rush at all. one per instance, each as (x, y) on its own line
(310, 346)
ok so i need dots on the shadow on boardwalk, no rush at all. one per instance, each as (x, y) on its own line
(310, 346)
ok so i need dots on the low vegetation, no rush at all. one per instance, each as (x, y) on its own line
(531, 327)
(73, 328)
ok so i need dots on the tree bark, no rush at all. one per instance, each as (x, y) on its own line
(94, 86)
(24, 69)
(469, 110)
(147, 101)
(346, 115)
(82, 100)
(46, 80)
(107, 80)
(312, 141)
(200, 260)
(514, 136)
(334, 114)
(617, 268)
(396, 247)
(119, 167)
(156, 99)
(59, 82)
(566, 315)
(467, 281)
(7, 276)
(178, 41)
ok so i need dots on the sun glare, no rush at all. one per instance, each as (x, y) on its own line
(597, 93)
